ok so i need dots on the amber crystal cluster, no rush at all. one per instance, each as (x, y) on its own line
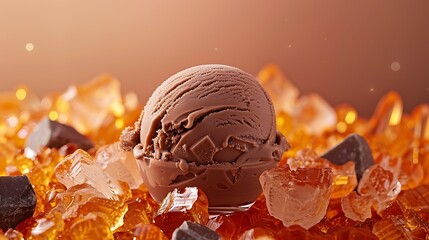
(378, 193)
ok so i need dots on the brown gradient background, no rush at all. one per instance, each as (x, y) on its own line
(339, 48)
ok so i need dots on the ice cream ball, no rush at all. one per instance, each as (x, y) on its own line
(209, 126)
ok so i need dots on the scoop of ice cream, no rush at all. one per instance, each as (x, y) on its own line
(206, 119)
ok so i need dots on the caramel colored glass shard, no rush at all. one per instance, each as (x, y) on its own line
(181, 205)
(388, 113)
(84, 199)
(298, 197)
(420, 116)
(344, 176)
(315, 113)
(258, 233)
(355, 207)
(12, 234)
(350, 233)
(119, 164)
(48, 227)
(344, 179)
(79, 168)
(297, 233)
(392, 228)
(380, 185)
(282, 92)
(89, 226)
(416, 199)
(148, 232)
(86, 107)
(353, 148)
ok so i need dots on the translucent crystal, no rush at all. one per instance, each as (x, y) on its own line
(48, 227)
(416, 199)
(344, 176)
(119, 164)
(380, 185)
(258, 233)
(181, 205)
(315, 113)
(282, 92)
(79, 168)
(83, 199)
(296, 232)
(89, 226)
(350, 233)
(85, 107)
(420, 117)
(298, 197)
(355, 207)
(388, 113)
(392, 228)
(148, 232)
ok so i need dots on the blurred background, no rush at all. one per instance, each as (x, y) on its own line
(347, 51)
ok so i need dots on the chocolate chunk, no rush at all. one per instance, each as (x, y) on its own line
(353, 148)
(194, 231)
(17, 200)
(53, 134)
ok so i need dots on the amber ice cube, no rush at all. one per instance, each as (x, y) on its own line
(344, 176)
(355, 207)
(315, 113)
(86, 107)
(119, 164)
(380, 185)
(298, 197)
(148, 232)
(282, 92)
(89, 226)
(79, 168)
(388, 113)
(180, 205)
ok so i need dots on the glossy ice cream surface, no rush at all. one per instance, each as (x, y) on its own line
(210, 126)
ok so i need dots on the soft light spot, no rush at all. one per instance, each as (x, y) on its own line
(350, 117)
(371, 89)
(395, 66)
(117, 109)
(21, 93)
(53, 115)
(341, 127)
(119, 123)
(131, 101)
(289, 46)
(216, 48)
(12, 121)
(29, 47)
(396, 116)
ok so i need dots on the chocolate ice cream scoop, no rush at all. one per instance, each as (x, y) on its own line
(210, 126)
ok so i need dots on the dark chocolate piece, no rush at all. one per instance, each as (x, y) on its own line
(53, 134)
(17, 200)
(194, 231)
(353, 148)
